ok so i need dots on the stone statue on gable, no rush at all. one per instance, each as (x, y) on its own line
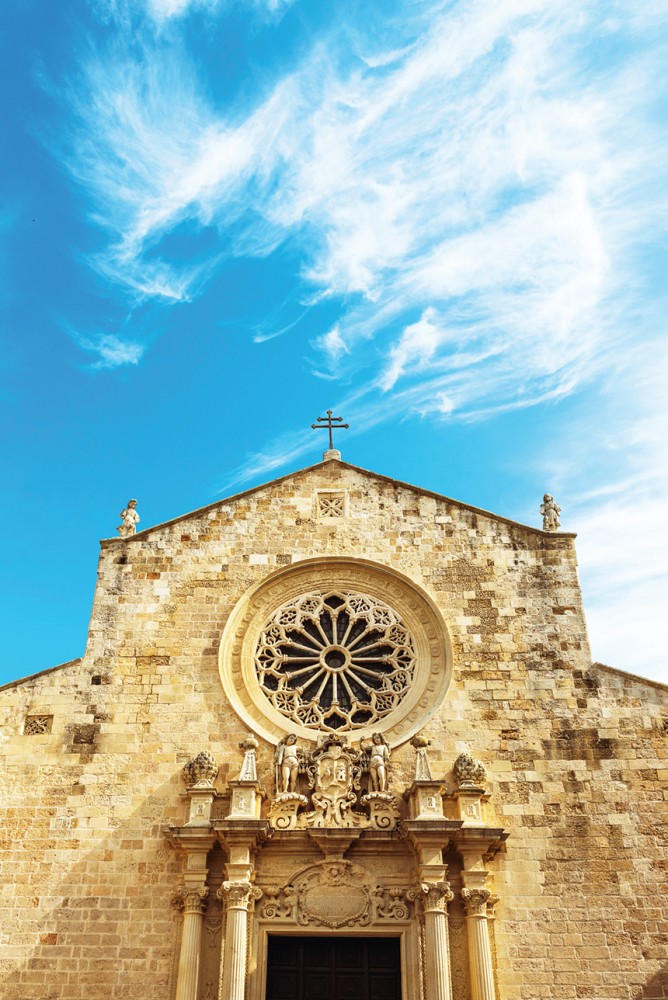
(550, 511)
(130, 520)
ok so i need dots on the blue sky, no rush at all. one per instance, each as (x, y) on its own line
(446, 221)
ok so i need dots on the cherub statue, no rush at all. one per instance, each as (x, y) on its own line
(379, 760)
(286, 764)
(550, 511)
(130, 519)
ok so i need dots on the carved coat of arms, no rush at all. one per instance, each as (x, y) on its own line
(334, 772)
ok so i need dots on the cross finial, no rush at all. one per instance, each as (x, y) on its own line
(328, 423)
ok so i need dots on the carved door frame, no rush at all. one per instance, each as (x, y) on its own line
(406, 931)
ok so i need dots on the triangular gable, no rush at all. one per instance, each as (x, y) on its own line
(337, 463)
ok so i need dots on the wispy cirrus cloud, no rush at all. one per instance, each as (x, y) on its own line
(162, 11)
(472, 188)
(165, 9)
(110, 351)
(480, 171)
(152, 156)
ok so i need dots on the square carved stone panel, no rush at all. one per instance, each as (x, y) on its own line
(37, 725)
(331, 505)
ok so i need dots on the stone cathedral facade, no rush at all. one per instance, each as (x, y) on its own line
(334, 738)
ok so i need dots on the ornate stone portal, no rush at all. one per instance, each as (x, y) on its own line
(327, 801)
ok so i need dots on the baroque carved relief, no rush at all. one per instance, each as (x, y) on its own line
(37, 725)
(335, 894)
(333, 773)
(459, 966)
(330, 504)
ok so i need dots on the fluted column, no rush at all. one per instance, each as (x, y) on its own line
(435, 897)
(192, 901)
(480, 954)
(237, 897)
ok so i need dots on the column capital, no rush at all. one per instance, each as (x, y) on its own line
(475, 901)
(191, 898)
(238, 895)
(434, 896)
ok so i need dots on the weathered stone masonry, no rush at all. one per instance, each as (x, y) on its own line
(97, 897)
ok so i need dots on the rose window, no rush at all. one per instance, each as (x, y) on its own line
(335, 660)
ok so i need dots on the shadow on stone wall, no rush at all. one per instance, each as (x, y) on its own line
(106, 929)
(657, 987)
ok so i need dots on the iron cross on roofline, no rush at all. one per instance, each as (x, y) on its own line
(328, 423)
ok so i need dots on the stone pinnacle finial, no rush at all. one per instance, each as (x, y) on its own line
(469, 772)
(249, 767)
(422, 766)
(201, 770)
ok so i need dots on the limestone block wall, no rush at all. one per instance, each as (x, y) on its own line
(576, 754)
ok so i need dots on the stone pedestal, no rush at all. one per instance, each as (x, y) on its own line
(470, 800)
(425, 800)
(201, 800)
(246, 800)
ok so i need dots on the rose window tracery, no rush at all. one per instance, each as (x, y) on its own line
(335, 660)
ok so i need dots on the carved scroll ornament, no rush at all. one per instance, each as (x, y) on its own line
(238, 895)
(191, 899)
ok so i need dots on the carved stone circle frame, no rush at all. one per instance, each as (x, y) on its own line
(428, 645)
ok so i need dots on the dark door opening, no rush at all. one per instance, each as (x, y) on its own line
(333, 968)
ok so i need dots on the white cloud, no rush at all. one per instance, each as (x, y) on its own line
(476, 189)
(124, 11)
(623, 554)
(333, 344)
(416, 347)
(153, 156)
(111, 351)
